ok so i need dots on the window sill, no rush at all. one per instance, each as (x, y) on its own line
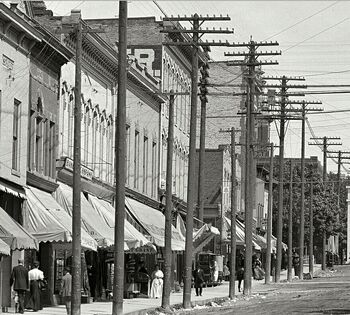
(15, 172)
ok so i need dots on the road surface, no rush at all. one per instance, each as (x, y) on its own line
(329, 295)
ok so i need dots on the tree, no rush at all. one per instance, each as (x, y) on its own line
(324, 205)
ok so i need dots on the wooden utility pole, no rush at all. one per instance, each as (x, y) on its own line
(196, 33)
(201, 166)
(73, 24)
(290, 224)
(283, 117)
(76, 214)
(340, 159)
(120, 153)
(269, 220)
(233, 131)
(252, 61)
(311, 232)
(302, 167)
(325, 144)
(168, 208)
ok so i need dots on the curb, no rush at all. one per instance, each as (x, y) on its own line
(184, 312)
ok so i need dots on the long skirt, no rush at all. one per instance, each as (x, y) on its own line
(157, 288)
(34, 301)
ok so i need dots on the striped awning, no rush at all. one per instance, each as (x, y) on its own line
(4, 248)
(15, 235)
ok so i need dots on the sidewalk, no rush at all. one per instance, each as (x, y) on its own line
(139, 306)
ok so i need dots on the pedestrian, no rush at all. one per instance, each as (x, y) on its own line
(240, 270)
(198, 276)
(92, 281)
(226, 272)
(296, 262)
(20, 281)
(258, 272)
(273, 263)
(157, 283)
(36, 276)
(66, 289)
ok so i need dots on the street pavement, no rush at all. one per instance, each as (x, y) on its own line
(139, 305)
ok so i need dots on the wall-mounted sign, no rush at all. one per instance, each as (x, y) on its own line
(84, 171)
(7, 62)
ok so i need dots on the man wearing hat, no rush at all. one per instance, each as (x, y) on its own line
(20, 281)
(66, 289)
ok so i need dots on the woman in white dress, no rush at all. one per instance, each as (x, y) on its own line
(157, 283)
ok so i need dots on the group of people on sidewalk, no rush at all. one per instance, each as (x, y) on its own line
(24, 281)
(28, 285)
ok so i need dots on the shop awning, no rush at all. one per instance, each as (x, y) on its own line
(133, 238)
(17, 192)
(93, 220)
(4, 248)
(203, 236)
(154, 222)
(240, 234)
(14, 235)
(49, 222)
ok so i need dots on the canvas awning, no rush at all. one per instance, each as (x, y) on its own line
(240, 234)
(135, 240)
(93, 220)
(14, 235)
(17, 192)
(49, 222)
(4, 248)
(203, 236)
(154, 223)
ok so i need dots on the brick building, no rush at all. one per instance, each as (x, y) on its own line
(172, 65)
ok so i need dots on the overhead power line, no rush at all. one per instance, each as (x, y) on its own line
(303, 20)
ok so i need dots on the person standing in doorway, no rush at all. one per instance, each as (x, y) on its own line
(157, 283)
(66, 289)
(35, 276)
(198, 276)
(20, 281)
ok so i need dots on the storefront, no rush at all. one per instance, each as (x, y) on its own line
(17, 239)
(153, 222)
(52, 227)
(98, 216)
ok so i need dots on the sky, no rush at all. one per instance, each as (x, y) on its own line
(314, 38)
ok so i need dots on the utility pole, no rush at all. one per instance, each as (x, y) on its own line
(269, 220)
(76, 214)
(283, 117)
(233, 212)
(252, 61)
(73, 24)
(201, 168)
(340, 159)
(290, 224)
(120, 153)
(302, 205)
(196, 33)
(311, 232)
(325, 144)
(168, 208)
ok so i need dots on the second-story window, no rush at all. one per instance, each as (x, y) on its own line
(137, 159)
(145, 165)
(16, 135)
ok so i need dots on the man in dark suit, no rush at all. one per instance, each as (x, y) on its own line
(198, 280)
(20, 281)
